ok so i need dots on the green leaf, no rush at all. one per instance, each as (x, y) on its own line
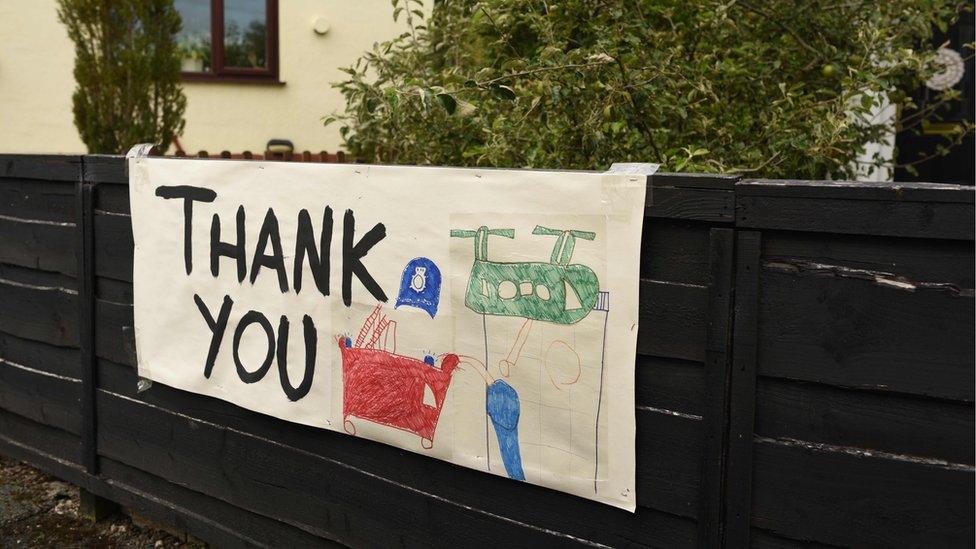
(448, 102)
(503, 91)
(867, 101)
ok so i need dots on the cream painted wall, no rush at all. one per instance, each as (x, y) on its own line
(36, 60)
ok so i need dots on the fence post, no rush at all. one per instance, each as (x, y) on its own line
(86, 317)
(718, 355)
(742, 391)
(91, 506)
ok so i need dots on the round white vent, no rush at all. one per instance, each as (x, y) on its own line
(951, 70)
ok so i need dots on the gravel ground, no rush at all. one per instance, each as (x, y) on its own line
(37, 510)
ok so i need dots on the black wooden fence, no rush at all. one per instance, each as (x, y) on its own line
(805, 375)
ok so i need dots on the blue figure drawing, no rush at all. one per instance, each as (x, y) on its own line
(420, 285)
(502, 403)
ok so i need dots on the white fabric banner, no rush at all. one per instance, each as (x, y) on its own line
(483, 317)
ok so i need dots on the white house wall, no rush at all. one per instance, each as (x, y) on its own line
(36, 81)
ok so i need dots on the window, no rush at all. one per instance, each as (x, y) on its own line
(229, 40)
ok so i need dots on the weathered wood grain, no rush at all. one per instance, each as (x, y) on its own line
(42, 313)
(764, 539)
(672, 320)
(211, 520)
(883, 421)
(243, 469)
(48, 167)
(50, 441)
(670, 384)
(674, 250)
(716, 206)
(27, 277)
(38, 244)
(33, 199)
(667, 468)
(105, 168)
(112, 198)
(694, 181)
(902, 191)
(910, 219)
(845, 498)
(859, 333)
(909, 261)
(116, 291)
(62, 361)
(42, 397)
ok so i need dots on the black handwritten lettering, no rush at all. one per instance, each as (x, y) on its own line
(217, 327)
(276, 261)
(352, 256)
(233, 251)
(249, 318)
(311, 342)
(189, 195)
(318, 261)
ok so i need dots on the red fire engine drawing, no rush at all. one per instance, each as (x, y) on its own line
(383, 387)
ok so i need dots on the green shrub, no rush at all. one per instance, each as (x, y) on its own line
(127, 70)
(778, 88)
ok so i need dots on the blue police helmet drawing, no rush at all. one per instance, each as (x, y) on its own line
(420, 285)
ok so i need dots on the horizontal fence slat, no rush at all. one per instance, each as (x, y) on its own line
(669, 449)
(38, 244)
(670, 384)
(40, 313)
(931, 262)
(764, 539)
(35, 278)
(37, 200)
(903, 191)
(211, 520)
(831, 215)
(50, 167)
(113, 290)
(716, 206)
(39, 438)
(62, 361)
(44, 398)
(856, 333)
(105, 168)
(694, 180)
(672, 320)
(312, 478)
(674, 250)
(892, 423)
(844, 499)
(112, 199)
(667, 468)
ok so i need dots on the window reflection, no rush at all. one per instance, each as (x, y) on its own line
(193, 40)
(245, 34)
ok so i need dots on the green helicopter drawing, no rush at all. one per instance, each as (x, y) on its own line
(558, 291)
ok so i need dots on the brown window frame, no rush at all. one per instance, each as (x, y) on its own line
(218, 72)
